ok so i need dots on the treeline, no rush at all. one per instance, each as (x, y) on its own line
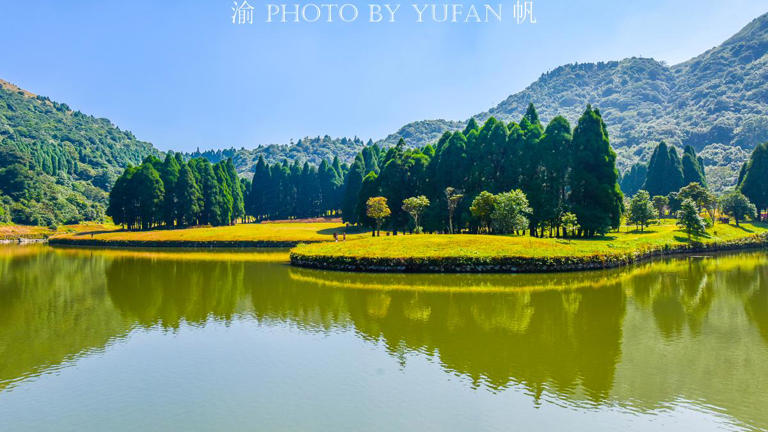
(667, 174)
(294, 190)
(558, 169)
(173, 192)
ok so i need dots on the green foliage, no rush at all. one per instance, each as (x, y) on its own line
(482, 207)
(570, 223)
(665, 171)
(693, 168)
(755, 182)
(415, 206)
(634, 179)
(56, 165)
(510, 212)
(660, 203)
(181, 194)
(641, 210)
(738, 206)
(378, 210)
(701, 196)
(689, 219)
(596, 198)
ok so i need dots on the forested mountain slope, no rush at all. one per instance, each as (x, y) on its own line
(716, 102)
(56, 164)
(308, 149)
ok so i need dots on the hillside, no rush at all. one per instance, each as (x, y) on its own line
(312, 150)
(716, 102)
(56, 164)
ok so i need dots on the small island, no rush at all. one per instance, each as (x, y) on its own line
(466, 253)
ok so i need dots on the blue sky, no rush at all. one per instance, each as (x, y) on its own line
(181, 75)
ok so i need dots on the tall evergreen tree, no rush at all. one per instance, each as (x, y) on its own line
(169, 174)
(634, 179)
(693, 168)
(259, 185)
(189, 199)
(354, 182)
(665, 171)
(755, 182)
(596, 198)
(150, 191)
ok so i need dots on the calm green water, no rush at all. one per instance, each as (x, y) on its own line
(126, 340)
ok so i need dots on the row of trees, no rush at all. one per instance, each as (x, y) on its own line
(556, 168)
(173, 192)
(284, 190)
(692, 199)
(666, 172)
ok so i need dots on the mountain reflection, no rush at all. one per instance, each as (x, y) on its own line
(642, 336)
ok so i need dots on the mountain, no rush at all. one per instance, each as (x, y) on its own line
(717, 102)
(312, 150)
(56, 164)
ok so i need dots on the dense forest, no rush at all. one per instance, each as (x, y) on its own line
(309, 149)
(56, 164)
(175, 193)
(716, 103)
(556, 168)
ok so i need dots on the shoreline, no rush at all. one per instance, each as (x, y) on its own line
(515, 264)
(223, 244)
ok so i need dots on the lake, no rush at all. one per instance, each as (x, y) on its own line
(238, 340)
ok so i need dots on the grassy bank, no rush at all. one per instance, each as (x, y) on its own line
(26, 232)
(243, 235)
(482, 253)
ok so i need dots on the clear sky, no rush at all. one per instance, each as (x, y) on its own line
(180, 75)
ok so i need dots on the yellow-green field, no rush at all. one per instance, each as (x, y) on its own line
(462, 245)
(15, 232)
(267, 233)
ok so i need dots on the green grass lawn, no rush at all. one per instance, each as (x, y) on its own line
(14, 232)
(464, 245)
(271, 232)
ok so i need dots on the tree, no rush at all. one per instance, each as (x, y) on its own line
(688, 218)
(665, 171)
(378, 210)
(570, 223)
(150, 191)
(259, 185)
(701, 196)
(352, 186)
(693, 168)
(737, 205)
(369, 188)
(660, 203)
(415, 206)
(511, 212)
(641, 209)
(633, 180)
(596, 198)
(754, 185)
(169, 174)
(189, 200)
(452, 198)
(121, 199)
(482, 207)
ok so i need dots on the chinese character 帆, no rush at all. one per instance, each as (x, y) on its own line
(523, 11)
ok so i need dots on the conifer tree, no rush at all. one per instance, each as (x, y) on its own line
(259, 185)
(188, 198)
(665, 171)
(755, 183)
(596, 198)
(693, 168)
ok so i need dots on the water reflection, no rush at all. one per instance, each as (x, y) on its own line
(642, 337)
